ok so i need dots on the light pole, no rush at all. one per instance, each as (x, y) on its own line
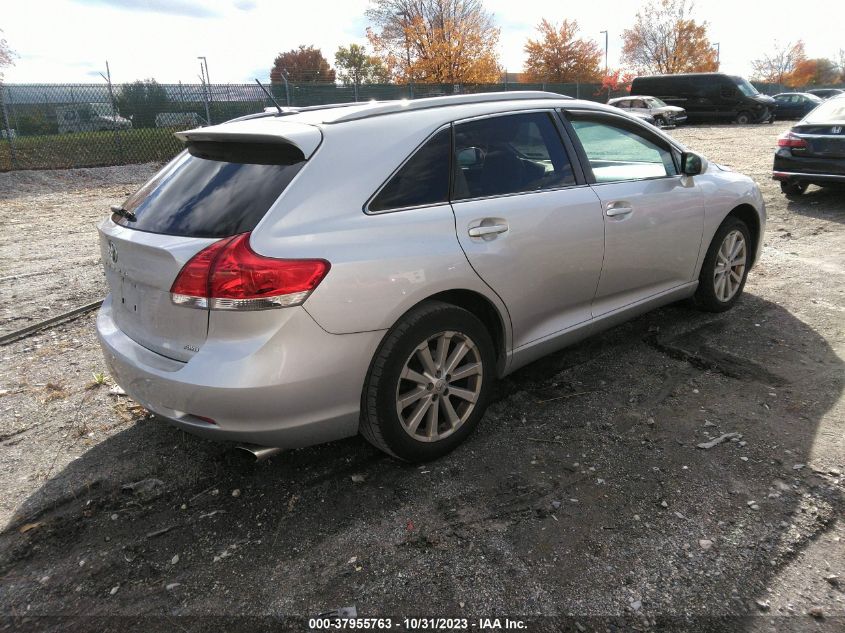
(605, 52)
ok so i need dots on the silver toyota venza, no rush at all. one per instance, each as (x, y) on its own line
(300, 276)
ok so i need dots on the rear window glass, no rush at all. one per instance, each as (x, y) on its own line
(422, 180)
(213, 189)
(831, 111)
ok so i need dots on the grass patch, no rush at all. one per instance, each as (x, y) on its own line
(90, 149)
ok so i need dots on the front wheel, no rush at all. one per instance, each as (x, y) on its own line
(744, 118)
(429, 383)
(725, 267)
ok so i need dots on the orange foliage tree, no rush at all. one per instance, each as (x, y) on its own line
(665, 40)
(560, 56)
(812, 72)
(781, 62)
(616, 81)
(435, 41)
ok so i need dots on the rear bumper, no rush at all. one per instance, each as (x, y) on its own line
(290, 384)
(808, 169)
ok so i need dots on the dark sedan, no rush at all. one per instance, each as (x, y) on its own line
(826, 93)
(813, 151)
(795, 105)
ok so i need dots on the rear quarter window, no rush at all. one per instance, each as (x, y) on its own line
(213, 189)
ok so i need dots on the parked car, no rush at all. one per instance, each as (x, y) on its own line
(90, 117)
(826, 93)
(794, 105)
(297, 278)
(812, 152)
(709, 96)
(180, 120)
(663, 115)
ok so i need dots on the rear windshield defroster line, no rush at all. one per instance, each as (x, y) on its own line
(213, 189)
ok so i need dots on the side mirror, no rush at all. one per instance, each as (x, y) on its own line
(692, 164)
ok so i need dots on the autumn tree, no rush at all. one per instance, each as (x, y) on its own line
(356, 67)
(560, 56)
(435, 41)
(776, 66)
(616, 81)
(7, 56)
(305, 64)
(666, 40)
(812, 72)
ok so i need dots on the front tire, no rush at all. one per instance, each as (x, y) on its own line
(429, 383)
(725, 267)
(744, 118)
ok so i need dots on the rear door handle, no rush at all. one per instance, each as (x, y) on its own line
(489, 230)
(616, 209)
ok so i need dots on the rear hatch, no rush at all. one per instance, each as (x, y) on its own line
(823, 140)
(823, 129)
(220, 186)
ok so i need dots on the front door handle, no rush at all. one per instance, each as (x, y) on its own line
(488, 230)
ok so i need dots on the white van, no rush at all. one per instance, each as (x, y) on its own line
(89, 117)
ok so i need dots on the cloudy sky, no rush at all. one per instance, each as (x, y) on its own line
(70, 40)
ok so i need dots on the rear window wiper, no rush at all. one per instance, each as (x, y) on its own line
(124, 213)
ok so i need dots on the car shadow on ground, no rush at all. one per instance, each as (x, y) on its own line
(583, 492)
(824, 203)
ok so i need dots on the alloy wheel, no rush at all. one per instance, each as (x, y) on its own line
(439, 386)
(730, 266)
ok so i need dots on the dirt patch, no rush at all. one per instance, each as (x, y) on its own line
(583, 496)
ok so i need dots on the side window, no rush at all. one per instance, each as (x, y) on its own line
(423, 179)
(509, 154)
(617, 153)
(638, 103)
(623, 104)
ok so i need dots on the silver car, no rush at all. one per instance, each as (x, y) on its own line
(664, 115)
(302, 276)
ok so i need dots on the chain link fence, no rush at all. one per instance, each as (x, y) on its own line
(57, 126)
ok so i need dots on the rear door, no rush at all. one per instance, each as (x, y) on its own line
(210, 191)
(526, 220)
(653, 217)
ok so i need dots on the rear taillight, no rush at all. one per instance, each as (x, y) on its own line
(788, 139)
(229, 275)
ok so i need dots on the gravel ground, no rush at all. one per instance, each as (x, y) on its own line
(581, 504)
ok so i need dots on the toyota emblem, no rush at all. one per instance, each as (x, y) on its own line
(112, 253)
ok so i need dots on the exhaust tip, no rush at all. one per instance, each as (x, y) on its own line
(259, 453)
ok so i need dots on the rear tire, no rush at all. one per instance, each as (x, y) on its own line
(429, 383)
(792, 188)
(725, 267)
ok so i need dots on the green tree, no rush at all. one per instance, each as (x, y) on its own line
(141, 101)
(356, 67)
(305, 64)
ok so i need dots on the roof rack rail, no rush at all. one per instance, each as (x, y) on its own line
(405, 105)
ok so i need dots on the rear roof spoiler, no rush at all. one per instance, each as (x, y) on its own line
(306, 138)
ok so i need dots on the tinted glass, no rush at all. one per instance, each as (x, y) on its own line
(423, 179)
(509, 154)
(831, 111)
(616, 153)
(213, 190)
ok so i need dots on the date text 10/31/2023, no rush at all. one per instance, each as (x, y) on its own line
(416, 624)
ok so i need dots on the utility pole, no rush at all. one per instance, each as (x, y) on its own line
(605, 52)
(107, 77)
